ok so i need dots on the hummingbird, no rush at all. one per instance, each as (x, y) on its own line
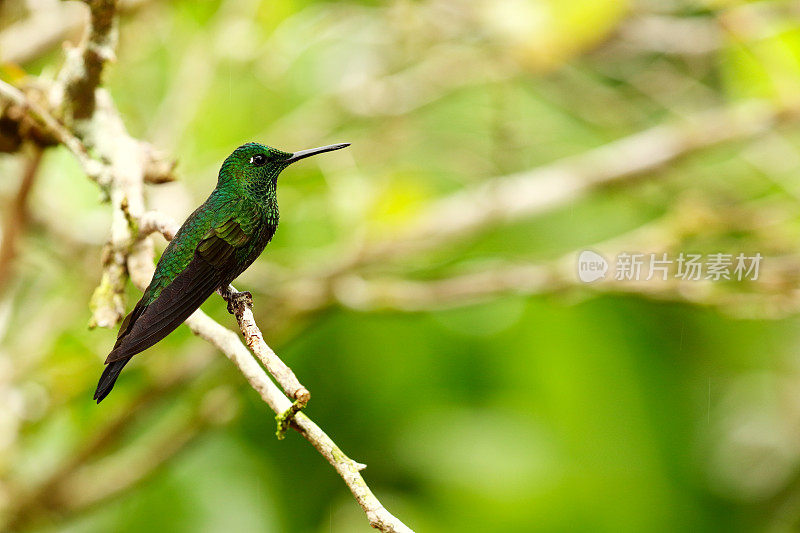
(215, 244)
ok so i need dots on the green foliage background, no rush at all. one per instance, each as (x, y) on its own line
(565, 411)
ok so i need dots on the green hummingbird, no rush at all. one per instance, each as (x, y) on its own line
(213, 246)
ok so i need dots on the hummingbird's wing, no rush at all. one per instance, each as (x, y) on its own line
(214, 259)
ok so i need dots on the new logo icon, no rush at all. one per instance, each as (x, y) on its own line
(591, 266)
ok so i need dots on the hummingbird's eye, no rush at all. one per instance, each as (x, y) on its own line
(258, 160)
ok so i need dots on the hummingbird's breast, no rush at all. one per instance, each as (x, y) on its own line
(265, 230)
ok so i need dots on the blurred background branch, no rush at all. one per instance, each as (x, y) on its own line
(17, 217)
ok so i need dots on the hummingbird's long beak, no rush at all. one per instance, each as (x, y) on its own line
(302, 154)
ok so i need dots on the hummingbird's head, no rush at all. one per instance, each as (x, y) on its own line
(255, 167)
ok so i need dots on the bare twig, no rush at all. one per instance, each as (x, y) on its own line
(532, 192)
(94, 169)
(349, 470)
(124, 251)
(546, 278)
(157, 222)
(406, 295)
(16, 218)
(80, 75)
(672, 35)
(773, 295)
(158, 168)
(228, 342)
(243, 310)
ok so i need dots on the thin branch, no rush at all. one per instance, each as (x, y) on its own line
(773, 295)
(243, 310)
(692, 36)
(410, 296)
(229, 344)
(529, 193)
(16, 219)
(157, 222)
(158, 167)
(555, 277)
(124, 252)
(94, 169)
(349, 470)
(80, 75)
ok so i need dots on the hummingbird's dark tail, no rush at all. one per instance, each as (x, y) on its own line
(109, 377)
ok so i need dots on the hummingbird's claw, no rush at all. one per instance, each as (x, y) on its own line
(237, 300)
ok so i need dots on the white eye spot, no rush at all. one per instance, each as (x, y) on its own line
(258, 160)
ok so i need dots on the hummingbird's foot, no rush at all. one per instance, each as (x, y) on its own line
(237, 300)
(285, 418)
